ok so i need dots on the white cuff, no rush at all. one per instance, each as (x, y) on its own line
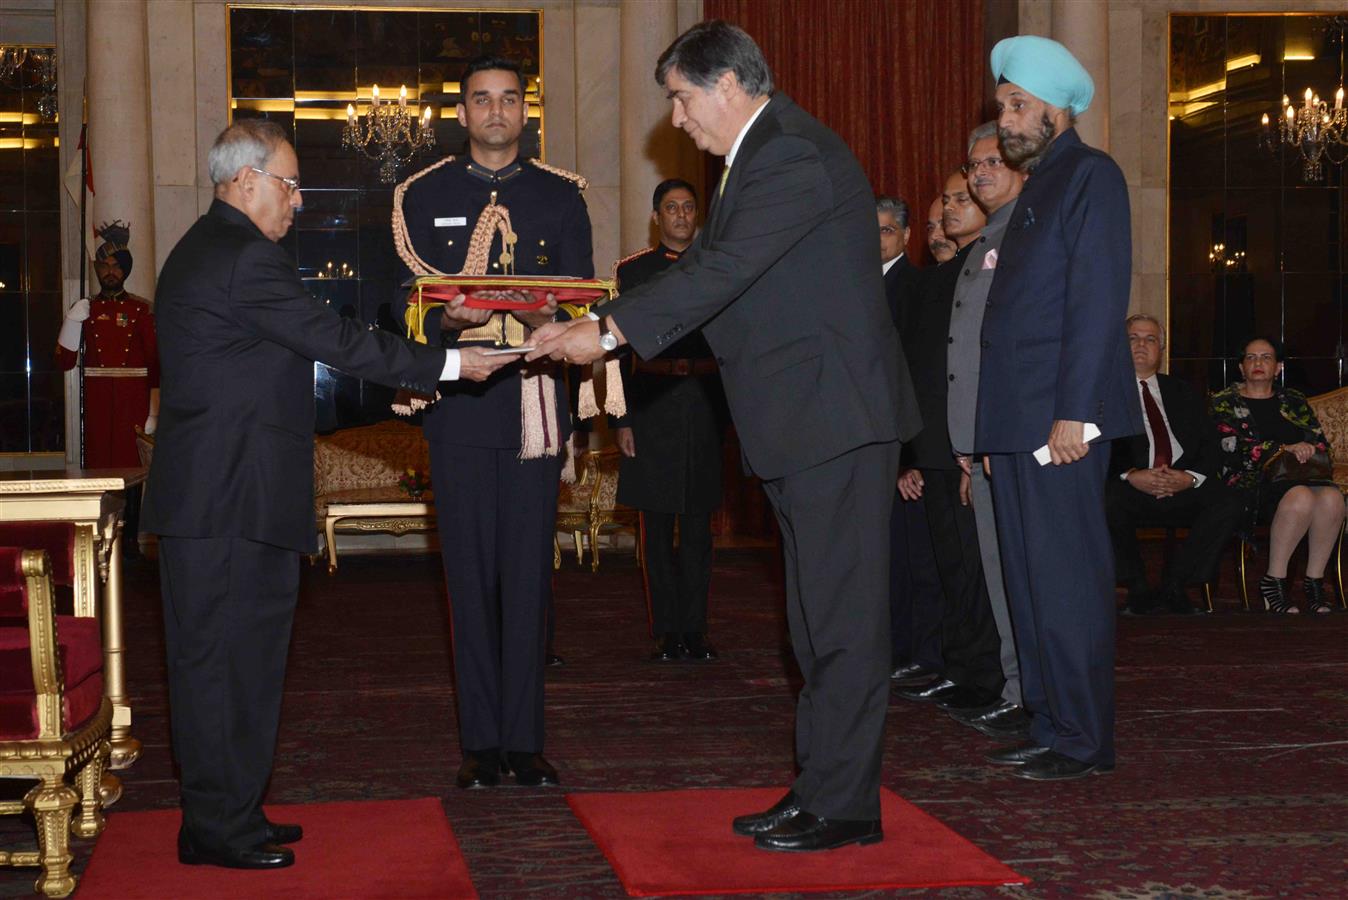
(70, 335)
(1198, 477)
(451, 370)
(592, 315)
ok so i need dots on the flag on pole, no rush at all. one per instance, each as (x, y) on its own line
(72, 177)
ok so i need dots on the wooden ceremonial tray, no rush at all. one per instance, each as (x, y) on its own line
(484, 291)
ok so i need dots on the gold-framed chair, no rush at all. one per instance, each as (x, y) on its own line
(55, 721)
(591, 504)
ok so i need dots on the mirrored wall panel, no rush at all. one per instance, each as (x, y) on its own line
(301, 68)
(1256, 242)
(32, 387)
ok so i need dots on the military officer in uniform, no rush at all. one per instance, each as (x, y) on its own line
(497, 446)
(671, 445)
(121, 364)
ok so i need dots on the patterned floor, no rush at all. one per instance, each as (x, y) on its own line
(1232, 738)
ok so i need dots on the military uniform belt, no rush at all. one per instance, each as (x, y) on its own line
(108, 372)
(675, 366)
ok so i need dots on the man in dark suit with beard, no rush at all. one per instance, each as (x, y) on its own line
(784, 284)
(231, 490)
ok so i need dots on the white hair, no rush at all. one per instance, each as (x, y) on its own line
(248, 142)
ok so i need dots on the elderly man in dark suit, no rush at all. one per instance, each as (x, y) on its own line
(784, 283)
(1167, 476)
(1054, 362)
(231, 489)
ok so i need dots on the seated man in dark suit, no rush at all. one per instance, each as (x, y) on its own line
(1167, 476)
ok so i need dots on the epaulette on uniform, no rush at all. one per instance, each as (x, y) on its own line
(579, 180)
(627, 259)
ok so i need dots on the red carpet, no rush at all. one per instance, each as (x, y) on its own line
(680, 842)
(398, 848)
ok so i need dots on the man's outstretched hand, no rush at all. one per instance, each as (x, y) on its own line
(475, 365)
(575, 342)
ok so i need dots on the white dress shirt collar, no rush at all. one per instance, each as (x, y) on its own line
(739, 138)
(884, 268)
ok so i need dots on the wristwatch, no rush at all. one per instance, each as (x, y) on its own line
(607, 339)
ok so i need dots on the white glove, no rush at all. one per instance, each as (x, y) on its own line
(73, 325)
(151, 423)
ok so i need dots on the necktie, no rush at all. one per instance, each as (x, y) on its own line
(720, 187)
(1160, 438)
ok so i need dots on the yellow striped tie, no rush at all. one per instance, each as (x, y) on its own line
(720, 188)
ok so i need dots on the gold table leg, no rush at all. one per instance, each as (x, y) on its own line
(125, 748)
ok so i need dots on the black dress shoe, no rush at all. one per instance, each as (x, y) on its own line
(1176, 600)
(531, 769)
(911, 673)
(261, 856)
(480, 769)
(1018, 755)
(695, 647)
(932, 690)
(759, 823)
(552, 660)
(965, 698)
(1141, 600)
(807, 832)
(283, 834)
(969, 716)
(668, 648)
(1005, 723)
(1054, 766)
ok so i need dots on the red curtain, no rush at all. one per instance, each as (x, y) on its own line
(900, 80)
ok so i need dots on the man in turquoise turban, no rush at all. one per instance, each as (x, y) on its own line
(1054, 370)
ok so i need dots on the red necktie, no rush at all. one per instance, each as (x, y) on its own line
(1160, 438)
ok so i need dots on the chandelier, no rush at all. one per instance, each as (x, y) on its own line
(31, 68)
(1317, 131)
(390, 133)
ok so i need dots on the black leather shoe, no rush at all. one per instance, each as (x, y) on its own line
(668, 648)
(1004, 723)
(1053, 766)
(911, 673)
(695, 647)
(1018, 755)
(1176, 600)
(807, 832)
(967, 698)
(262, 856)
(531, 769)
(969, 716)
(552, 660)
(932, 690)
(758, 823)
(283, 834)
(480, 769)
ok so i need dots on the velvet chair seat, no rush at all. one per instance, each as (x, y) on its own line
(80, 649)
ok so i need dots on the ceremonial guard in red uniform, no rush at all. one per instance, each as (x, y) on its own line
(121, 366)
(671, 445)
(121, 362)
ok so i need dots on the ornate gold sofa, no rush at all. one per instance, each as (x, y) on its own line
(54, 718)
(356, 472)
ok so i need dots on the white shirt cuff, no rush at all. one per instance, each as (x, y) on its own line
(593, 315)
(1199, 477)
(451, 370)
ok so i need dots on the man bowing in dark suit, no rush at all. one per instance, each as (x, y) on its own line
(1167, 476)
(784, 284)
(1054, 361)
(231, 489)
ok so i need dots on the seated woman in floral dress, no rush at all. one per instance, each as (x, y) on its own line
(1255, 418)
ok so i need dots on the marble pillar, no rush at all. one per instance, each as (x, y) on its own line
(650, 146)
(119, 130)
(1083, 27)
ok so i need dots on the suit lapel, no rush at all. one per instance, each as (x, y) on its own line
(757, 136)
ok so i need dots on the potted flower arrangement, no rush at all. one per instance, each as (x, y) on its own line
(415, 482)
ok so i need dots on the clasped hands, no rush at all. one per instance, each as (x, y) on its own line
(1161, 481)
(1303, 450)
(474, 364)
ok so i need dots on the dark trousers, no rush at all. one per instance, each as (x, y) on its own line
(915, 598)
(1060, 583)
(1210, 511)
(496, 515)
(836, 550)
(677, 579)
(228, 607)
(969, 642)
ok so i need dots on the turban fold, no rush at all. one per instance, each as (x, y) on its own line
(1046, 69)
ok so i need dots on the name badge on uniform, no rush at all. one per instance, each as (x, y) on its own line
(451, 222)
